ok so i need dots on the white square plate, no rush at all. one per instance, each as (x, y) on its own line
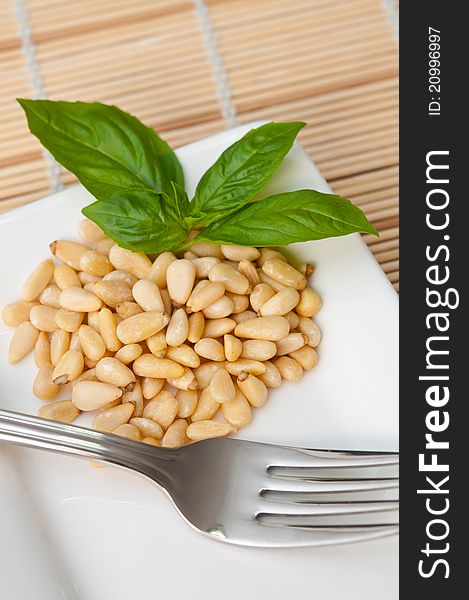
(95, 534)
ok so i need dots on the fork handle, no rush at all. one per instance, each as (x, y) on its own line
(35, 432)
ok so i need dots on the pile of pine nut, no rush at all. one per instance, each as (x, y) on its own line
(166, 352)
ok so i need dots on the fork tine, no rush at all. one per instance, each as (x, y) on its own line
(355, 520)
(331, 486)
(333, 472)
(284, 458)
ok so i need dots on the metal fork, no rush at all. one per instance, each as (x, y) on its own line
(241, 492)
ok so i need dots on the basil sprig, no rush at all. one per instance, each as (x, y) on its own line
(138, 183)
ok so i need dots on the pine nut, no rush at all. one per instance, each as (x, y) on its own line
(253, 388)
(203, 430)
(42, 350)
(74, 342)
(306, 356)
(69, 320)
(136, 263)
(187, 401)
(113, 293)
(196, 327)
(108, 329)
(203, 265)
(205, 372)
(278, 287)
(280, 304)
(69, 252)
(239, 253)
(210, 348)
(237, 411)
(309, 303)
(141, 326)
(90, 232)
(168, 304)
(43, 317)
(104, 246)
(264, 328)
(188, 255)
(88, 375)
(128, 431)
(68, 368)
(219, 309)
(127, 309)
(240, 302)
(147, 427)
(290, 343)
(89, 287)
(90, 363)
(65, 276)
(63, 411)
(59, 344)
(204, 297)
(110, 419)
(38, 280)
(293, 319)
(50, 296)
(203, 249)
(184, 355)
(122, 277)
(178, 328)
(151, 441)
(22, 342)
(222, 388)
(290, 369)
(260, 294)
(163, 409)
(158, 270)
(128, 353)
(215, 328)
(17, 313)
(310, 329)
(79, 300)
(248, 269)
(91, 395)
(133, 394)
(206, 407)
(271, 377)
(233, 347)
(91, 342)
(233, 280)
(180, 277)
(96, 264)
(151, 386)
(244, 316)
(281, 271)
(44, 387)
(110, 370)
(147, 295)
(148, 365)
(267, 254)
(175, 435)
(258, 350)
(157, 344)
(187, 381)
(306, 269)
(85, 278)
(245, 365)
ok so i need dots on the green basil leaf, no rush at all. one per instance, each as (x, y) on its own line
(106, 148)
(138, 219)
(178, 202)
(289, 217)
(242, 170)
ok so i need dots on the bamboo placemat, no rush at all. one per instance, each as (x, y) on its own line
(190, 68)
